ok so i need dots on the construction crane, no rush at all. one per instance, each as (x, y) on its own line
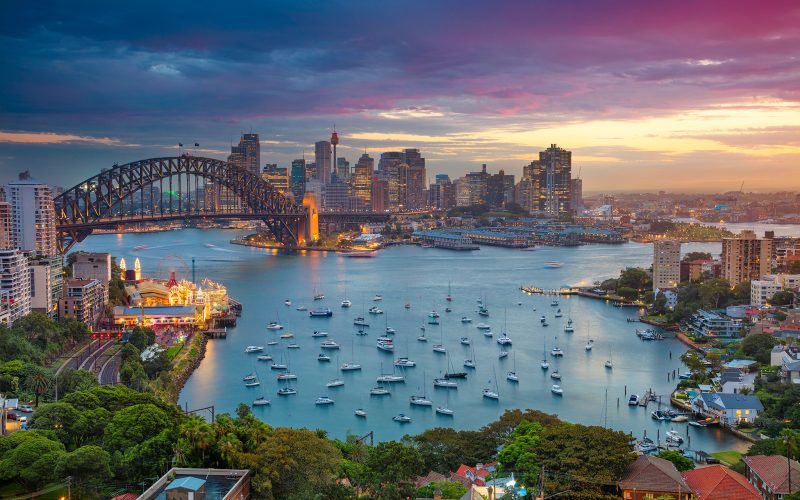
(741, 188)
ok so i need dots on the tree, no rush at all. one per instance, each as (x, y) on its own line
(393, 462)
(132, 374)
(443, 449)
(696, 256)
(133, 425)
(38, 382)
(89, 466)
(609, 285)
(714, 293)
(519, 453)
(449, 489)
(741, 293)
(71, 380)
(758, 346)
(62, 418)
(681, 463)
(636, 278)
(627, 292)
(782, 298)
(29, 457)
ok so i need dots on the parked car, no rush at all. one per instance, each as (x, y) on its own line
(10, 415)
(26, 408)
(23, 419)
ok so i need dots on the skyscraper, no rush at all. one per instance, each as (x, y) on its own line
(666, 264)
(247, 154)
(15, 282)
(746, 257)
(334, 143)
(33, 216)
(277, 176)
(576, 193)
(342, 169)
(498, 188)
(392, 169)
(362, 181)
(551, 181)
(380, 194)
(415, 178)
(322, 158)
(6, 238)
(297, 181)
(442, 193)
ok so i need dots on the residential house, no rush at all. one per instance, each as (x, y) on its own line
(649, 477)
(733, 380)
(713, 324)
(772, 475)
(716, 482)
(787, 357)
(729, 409)
(477, 475)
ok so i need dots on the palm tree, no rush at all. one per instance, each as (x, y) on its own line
(38, 383)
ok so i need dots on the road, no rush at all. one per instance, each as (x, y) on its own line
(88, 363)
(109, 372)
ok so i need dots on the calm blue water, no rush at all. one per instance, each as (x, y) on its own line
(262, 280)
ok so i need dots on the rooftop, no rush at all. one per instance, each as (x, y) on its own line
(652, 474)
(716, 482)
(773, 470)
(151, 310)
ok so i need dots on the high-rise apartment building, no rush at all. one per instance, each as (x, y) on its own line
(47, 283)
(551, 181)
(15, 282)
(499, 189)
(277, 176)
(6, 237)
(576, 195)
(343, 169)
(380, 194)
(92, 266)
(746, 257)
(442, 194)
(33, 216)
(666, 264)
(362, 181)
(297, 180)
(247, 154)
(415, 179)
(392, 169)
(472, 188)
(83, 300)
(322, 158)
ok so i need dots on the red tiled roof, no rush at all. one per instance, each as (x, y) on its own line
(652, 474)
(773, 470)
(716, 482)
(432, 476)
(126, 496)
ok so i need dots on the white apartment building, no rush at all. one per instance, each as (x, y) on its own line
(762, 290)
(666, 264)
(15, 283)
(33, 217)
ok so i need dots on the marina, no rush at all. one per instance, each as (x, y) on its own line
(493, 275)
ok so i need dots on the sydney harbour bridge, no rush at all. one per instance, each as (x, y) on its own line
(123, 195)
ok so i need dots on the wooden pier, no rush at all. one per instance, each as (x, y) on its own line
(216, 333)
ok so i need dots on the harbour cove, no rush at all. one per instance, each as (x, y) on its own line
(262, 280)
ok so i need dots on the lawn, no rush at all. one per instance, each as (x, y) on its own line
(730, 457)
(174, 350)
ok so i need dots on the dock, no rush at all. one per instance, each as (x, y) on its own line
(216, 333)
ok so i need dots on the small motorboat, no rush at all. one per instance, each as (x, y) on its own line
(503, 354)
(490, 394)
(674, 437)
(320, 313)
(439, 348)
(361, 413)
(658, 415)
(278, 366)
(569, 329)
(323, 358)
(465, 319)
(385, 344)
(442, 410)
(337, 382)
(407, 306)
(286, 391)
(488, 333)
(293, 346)
(377, 297)
(552, 265)
(254, 348)
(545, 364)
(287, 302)
(349, 367)
(554, 303)
(557, 390)
(504, 340)
(542, 319)
(319, 296)
(287, 335)
(249, 377)
(555, 375)
(448, 310)
(405, 363)
(422, 338)
(545, 323)
(512, 376)
(264, 357)
(272, 342)
(468, 363)
(379, 391)
(262, 401)
(375, 310)
(402, 418)
(589, 345)
(359, 321)
(557, 352)
(609, 364)
(420, 401)
(390, 330)
(317, 334)
(445, 383)
(433, 314)
(633, 400)
(465, 341)
(252, 383)
(482, 311)
(361, 332)
(323, 400)
(287, 376)
(328, 344)
(274, 325)
(483, 326)
(680, 418)
(558, 314)
(301, 308)
(346, 303)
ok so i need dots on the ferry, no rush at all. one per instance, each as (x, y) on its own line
(405, 363)
(328, 344)
(557, 390)
(402, 418)
(320, 313)
(349, 367)
(420, 401)
(359, 321)
(274, 325)
(254, 348)
(323, 400)
(361, 413)
(552, 265)
(286, 391)
(322, 358)
(445, 383)
(261, 401)
(318, 334)
(379, 391)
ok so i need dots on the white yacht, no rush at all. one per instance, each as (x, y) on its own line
(286, 391)
(569, 328)
(674, 437)
(609, 364)
(323, 400)
(445, 383)
(390, 379)
(346, 303)
(465, 341)
(385, 344)
(254, 348)
(545, 364)
(319, 296)
(390, 330)
(402, 418)
(278, 366)
(349, 367)
(249, 377)
(483, 326)
(328, 344)
(293, 346)
(490, 394)
(323, 358)
(264, 357)
(504, 340)
(554, 303)
(287, 302)
(557, 390)
(377, 297)
(337, 382)
(361, 413)
(555, 375)
(287, 335)
(512, 376)
(379, 391)
(261, 401)
(317, 334)
(301, 308)
(405, 363)
(272, 342)
(589, 345)
(442, 410)
(375, 310)
(422, 338)
(252, 383)
(556, 351)
(274, 325)
(359, 321)
(558, 314)
(439, 348)
(468, 363)
(487, 333)
(503, 354)
(465, 319)
(420, 401)
(287, 376)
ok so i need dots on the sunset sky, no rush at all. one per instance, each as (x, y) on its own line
(679, 95)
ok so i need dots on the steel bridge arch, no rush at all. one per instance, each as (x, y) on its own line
(97, 202)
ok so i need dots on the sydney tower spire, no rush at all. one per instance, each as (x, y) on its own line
(334, 142)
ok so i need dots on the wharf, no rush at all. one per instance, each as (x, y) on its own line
(583, 292)
(216, 333)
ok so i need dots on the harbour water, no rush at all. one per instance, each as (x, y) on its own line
(262, 280)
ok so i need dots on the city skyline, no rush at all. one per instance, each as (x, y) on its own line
(677, 97)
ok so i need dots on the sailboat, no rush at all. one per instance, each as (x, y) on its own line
(420, 400)
(346, 302)
(352, 366)
(512, 375)
(488, 393)
(389, 329)
(470, 363)
(275, 325)
(545, 364)
(361, 321)
(449, 297)
(452, 373)
(444, 410)
(609, 361)
(440, 348)
(589, 342)
(569, 328)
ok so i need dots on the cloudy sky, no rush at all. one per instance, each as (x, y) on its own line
(679, 95)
